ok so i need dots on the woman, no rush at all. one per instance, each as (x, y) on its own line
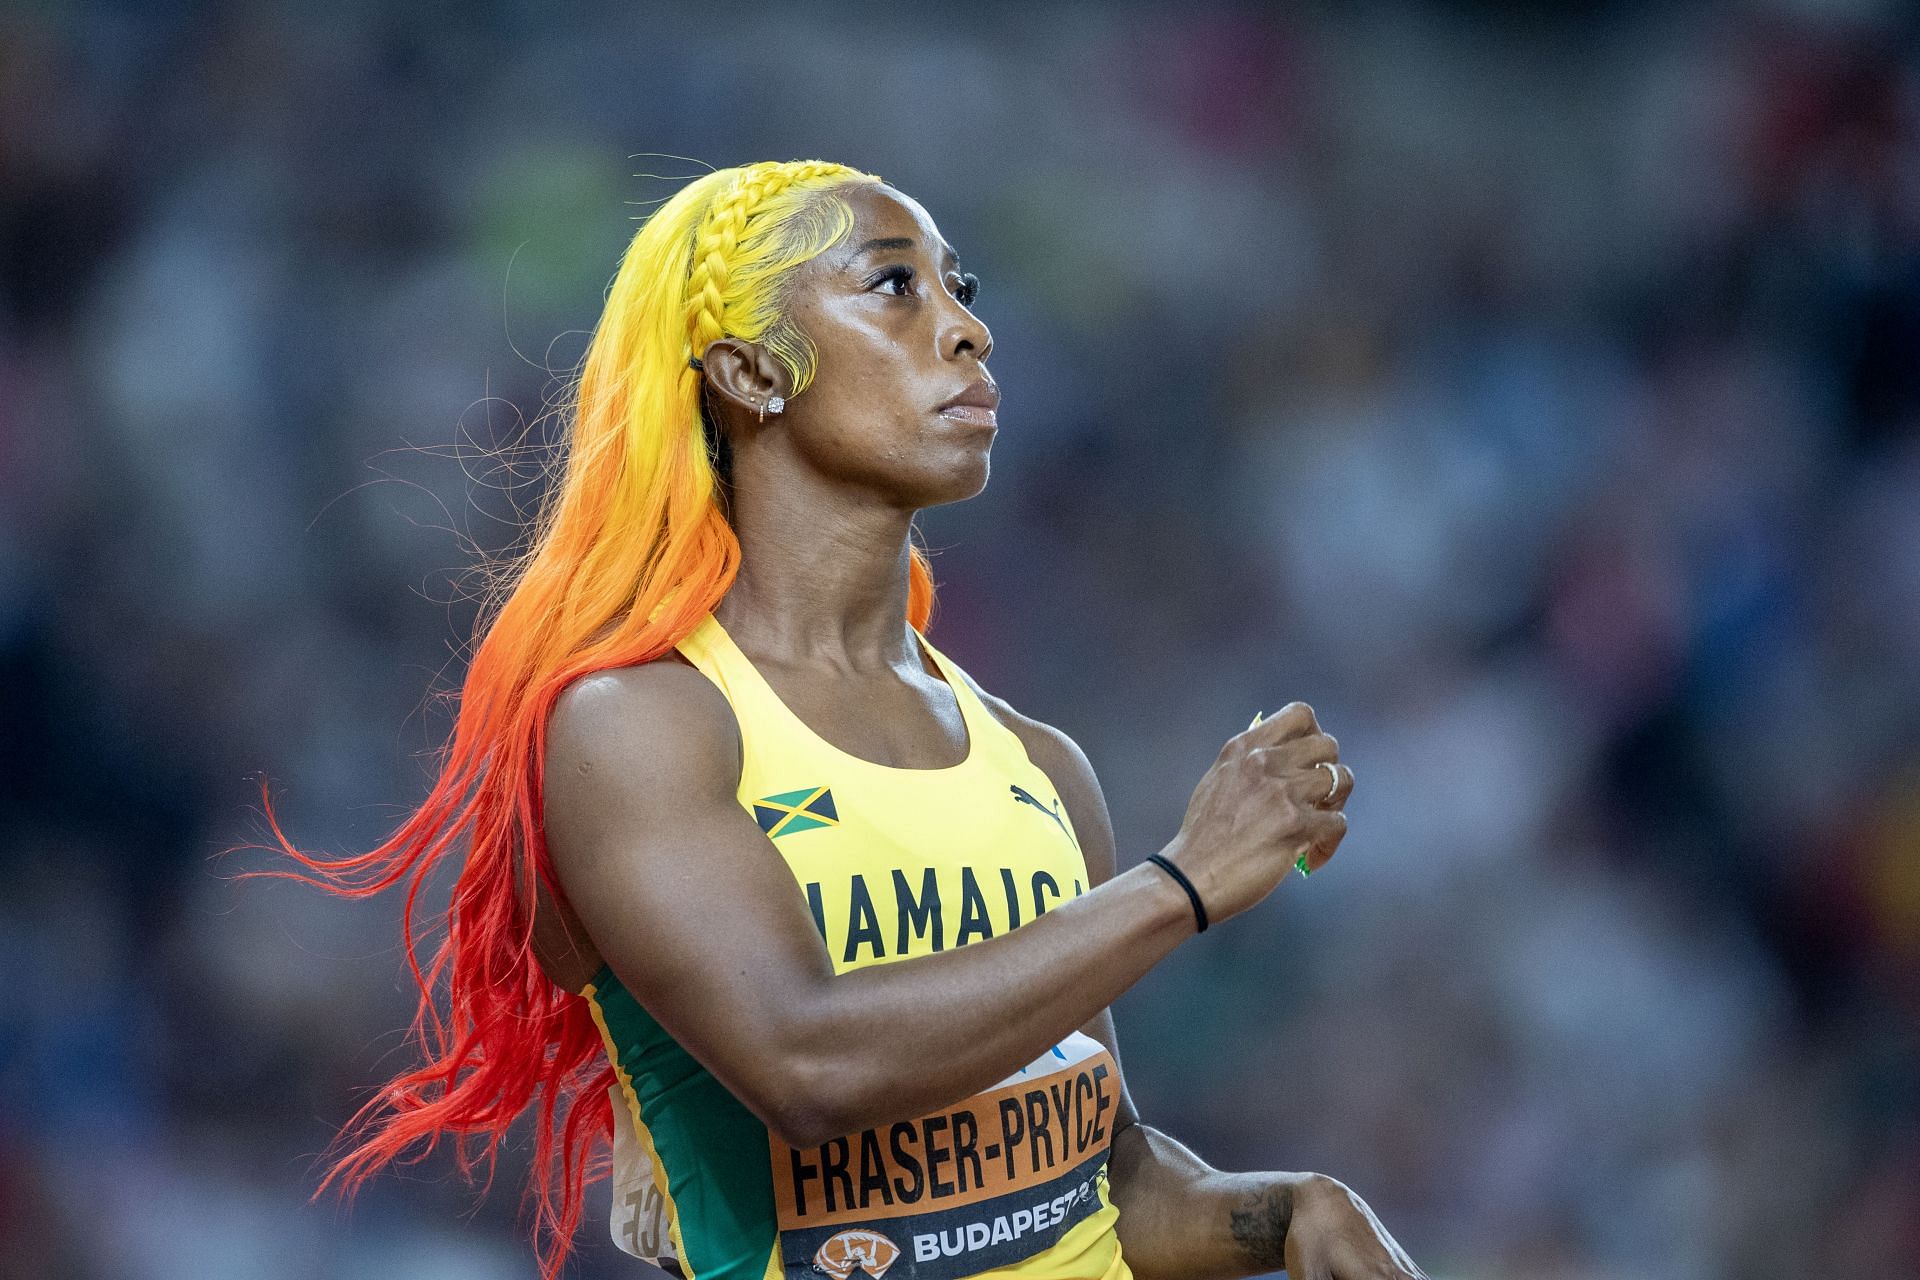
(758, 873)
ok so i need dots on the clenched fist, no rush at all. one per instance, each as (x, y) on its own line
(1275, 794)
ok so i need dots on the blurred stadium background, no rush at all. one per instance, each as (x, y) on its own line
(1534, 389)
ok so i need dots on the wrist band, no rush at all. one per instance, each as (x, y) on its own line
(1193, 895)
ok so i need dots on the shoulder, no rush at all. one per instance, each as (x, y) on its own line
(1048, 747)
(665, 713)
(621, 746)
(1059, 757)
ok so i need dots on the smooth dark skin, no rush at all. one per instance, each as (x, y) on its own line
(674, 884)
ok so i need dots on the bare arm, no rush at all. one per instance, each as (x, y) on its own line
(1179, 1216)
(692, 907)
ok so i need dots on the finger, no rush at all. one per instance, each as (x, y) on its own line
(1290, 721)
(1402, 1261)
(1321, 836)
(1299, 753)
(1325, 785)
(1340, 786)
(1308, 749)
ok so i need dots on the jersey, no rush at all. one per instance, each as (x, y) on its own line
(891, 863)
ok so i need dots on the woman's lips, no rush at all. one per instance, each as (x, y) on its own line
(974, 414)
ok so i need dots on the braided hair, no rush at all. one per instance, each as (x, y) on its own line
(721, 301)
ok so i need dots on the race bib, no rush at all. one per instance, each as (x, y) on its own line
(987, 1183)
(639, 1210)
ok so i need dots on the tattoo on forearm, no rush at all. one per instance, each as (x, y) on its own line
(1260, 1224)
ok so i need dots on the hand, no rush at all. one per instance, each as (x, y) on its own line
(1333, 1235)
(1275, 794)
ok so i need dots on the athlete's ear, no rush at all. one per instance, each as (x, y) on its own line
(744, 375)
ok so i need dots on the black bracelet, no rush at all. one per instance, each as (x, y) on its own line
(1199, 909)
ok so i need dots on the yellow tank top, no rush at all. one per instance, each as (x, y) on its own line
(1011, 1182)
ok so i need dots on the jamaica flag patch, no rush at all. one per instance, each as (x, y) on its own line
(792, 811)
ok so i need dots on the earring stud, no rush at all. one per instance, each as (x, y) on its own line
(775, 405)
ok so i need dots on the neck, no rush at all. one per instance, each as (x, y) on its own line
(823, 573)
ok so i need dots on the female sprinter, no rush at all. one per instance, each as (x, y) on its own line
(759, 885)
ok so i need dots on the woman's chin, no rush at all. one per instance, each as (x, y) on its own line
(965, 479)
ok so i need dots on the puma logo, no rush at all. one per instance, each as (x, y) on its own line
(1022, 794)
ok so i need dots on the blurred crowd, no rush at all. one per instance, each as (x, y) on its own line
(1534, 390)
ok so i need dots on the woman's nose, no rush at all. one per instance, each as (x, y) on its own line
(967, 332)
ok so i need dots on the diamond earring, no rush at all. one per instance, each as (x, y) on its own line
(774, 405)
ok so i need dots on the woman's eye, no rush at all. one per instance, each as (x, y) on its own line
(903, 274)
(966, 290)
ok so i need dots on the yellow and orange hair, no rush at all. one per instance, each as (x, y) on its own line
(631, 547)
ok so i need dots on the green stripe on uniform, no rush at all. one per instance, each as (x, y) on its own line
(713, 1149)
